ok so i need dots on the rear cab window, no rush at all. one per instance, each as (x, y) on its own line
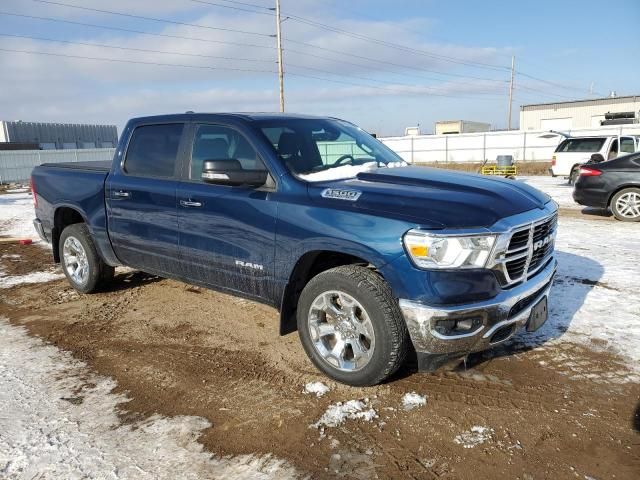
(581, 145)
(153, 150)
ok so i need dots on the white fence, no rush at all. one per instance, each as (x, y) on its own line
(478, 147)
(16, 165)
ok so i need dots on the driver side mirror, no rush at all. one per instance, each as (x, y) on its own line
(596, 158)
(230, 172)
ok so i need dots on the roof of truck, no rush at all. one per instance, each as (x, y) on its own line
(248, 116)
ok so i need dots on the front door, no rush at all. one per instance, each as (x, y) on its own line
(141, 200)
(227, 233)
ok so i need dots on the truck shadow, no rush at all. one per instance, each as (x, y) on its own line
(636, 419)
(130, 279)
(576, 277)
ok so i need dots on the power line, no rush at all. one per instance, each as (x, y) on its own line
(137, 62)
(362, 57)
(140, 32)
(235, 8)
(145, 50)
(153, 19)
(164, 52)
(385, 43)
(555, 84)
(346, 62)
(182, 37)
(206, 67)
(358, 36)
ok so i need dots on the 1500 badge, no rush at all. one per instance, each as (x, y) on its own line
(340, 194)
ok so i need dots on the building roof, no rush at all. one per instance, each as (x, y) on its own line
(587, 101)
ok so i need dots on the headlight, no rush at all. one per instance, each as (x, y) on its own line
(431, 250)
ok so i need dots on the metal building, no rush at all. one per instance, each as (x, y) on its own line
(57, 136)
(577, 114)
(460, 126)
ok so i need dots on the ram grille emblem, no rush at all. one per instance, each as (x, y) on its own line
(542, 242)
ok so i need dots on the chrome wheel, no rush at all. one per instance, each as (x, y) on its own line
(341, 331)
(75, 260)
(628, 205)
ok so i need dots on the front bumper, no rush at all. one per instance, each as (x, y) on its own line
(500, 317)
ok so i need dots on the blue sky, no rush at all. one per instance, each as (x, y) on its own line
(449, 60)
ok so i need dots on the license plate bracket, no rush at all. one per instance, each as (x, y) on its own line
(538, 316)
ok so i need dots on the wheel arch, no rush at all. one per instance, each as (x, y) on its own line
(63, 216)
(310, 264)
(619, 189)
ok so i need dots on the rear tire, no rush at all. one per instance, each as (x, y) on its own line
(80, 261)
(573, 176)
(351, 326)
(625, 205)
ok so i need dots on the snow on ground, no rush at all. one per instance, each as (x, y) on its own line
(8, 281)
(595, 295)
(59, 420)
(316, 388)
(16, 216)
(337, 413)
(557, 188)
(475, 436)
(413, 400)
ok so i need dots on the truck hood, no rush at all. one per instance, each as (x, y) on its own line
(430, 197)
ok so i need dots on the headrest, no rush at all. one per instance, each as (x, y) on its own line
(289, 144)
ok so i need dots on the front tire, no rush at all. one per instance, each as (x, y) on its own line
(351, 327)
(81, 264)
(625, 205)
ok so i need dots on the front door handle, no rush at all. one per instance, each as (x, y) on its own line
(190, 204)
(120, 194)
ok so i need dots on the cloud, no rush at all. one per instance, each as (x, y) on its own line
(59, 88)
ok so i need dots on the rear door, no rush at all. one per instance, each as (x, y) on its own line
(141, 199)
(227, 233)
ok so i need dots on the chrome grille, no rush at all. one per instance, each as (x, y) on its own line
(528, 250)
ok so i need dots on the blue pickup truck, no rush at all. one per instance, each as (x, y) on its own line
(371, 260)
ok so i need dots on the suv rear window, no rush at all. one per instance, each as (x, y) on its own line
(153, 150)
(581, 145)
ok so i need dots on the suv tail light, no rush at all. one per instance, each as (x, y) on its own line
(553, 161)
(33, 192)
(589, 172)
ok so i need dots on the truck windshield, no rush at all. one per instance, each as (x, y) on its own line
(325, 149)
(581, 145)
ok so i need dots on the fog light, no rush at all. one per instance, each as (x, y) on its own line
(458, 327)
(466, 324)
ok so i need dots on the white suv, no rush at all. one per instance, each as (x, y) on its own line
(575, 151)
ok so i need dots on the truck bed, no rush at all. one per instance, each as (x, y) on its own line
(102, 166)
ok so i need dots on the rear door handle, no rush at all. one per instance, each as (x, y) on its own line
(120, 194)
(190, 204)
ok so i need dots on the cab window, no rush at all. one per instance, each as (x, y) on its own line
(215, 142)
(153, 150)
(627, 145)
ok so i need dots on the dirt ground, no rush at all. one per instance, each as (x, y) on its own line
(557, 411)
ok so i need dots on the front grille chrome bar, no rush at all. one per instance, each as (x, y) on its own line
(516, 261)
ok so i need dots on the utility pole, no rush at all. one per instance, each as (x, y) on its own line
(513, 69)
(280, 66)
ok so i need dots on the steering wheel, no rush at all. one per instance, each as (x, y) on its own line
(344, 158)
